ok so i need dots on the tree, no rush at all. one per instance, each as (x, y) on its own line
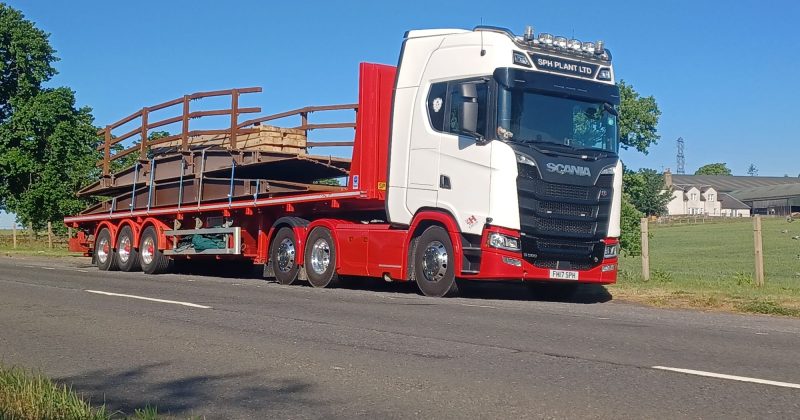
(25, 59)
(630, 239)
(638, 119)
(646, 191)
(714, 169)
(753, 171)
(47, 145)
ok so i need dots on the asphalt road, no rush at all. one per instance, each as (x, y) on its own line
(254, 349)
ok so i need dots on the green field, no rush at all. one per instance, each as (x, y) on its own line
(37, 245)
(711, 265)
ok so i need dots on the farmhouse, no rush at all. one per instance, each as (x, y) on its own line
(731, 196)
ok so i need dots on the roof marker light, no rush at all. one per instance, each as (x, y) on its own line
(528, 34)
(588, 47)
(546, 39)
(574, 44)
(560, 42)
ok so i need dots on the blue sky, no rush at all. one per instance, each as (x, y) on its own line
(724, 73)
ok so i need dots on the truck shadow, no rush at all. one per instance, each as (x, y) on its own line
(217, 396)
(485, 290)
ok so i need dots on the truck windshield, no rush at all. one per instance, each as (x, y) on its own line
(533, 117)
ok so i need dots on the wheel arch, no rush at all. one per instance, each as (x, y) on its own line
(135, 229)
(329, 224)
(297, 224)
(159, 226)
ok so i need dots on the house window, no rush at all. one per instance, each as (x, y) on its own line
(711, 197)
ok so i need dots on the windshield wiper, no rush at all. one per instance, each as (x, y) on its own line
(542, 147)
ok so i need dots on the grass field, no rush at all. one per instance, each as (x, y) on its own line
(711, 265)
(32, 246)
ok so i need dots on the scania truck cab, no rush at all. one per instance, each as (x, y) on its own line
(514, 135)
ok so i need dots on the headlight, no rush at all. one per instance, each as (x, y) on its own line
(611, 251)
(545, 39)
(526, 160)
(498, 240)
(607, 170)
(560, 42)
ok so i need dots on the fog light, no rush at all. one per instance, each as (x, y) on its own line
(609, 267)
(512, 261)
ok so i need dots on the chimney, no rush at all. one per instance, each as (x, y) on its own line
(668, 178)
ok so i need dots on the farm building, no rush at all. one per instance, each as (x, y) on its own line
(732, 196)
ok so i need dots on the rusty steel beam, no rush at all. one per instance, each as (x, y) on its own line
(329, 143)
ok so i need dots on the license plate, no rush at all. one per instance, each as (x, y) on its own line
(563, 275)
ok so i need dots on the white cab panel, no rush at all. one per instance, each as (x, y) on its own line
(616, 203)
(503, 203)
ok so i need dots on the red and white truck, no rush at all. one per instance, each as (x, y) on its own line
(482, 156)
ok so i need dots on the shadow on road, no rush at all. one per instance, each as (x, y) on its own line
(241, 393)
(585, 293)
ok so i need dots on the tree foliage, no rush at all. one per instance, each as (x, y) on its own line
(26, 59)
(638, 119)
(714, 169)
(630, 239)
(47, 145)
(646, 191)
(752, 170)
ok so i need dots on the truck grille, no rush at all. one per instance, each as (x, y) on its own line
(563, 225)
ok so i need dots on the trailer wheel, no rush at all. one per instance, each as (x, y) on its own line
(283, 256)
(434, 263)
(320, 258)
(104, 252)
(152, 259)
(127, 257)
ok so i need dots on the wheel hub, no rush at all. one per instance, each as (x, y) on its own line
(124, 250)
(434, 261)
(148, 250)
(286, 254)
(320, 256)
(103, 250)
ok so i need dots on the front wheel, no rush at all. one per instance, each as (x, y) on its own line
(320, 258)
(152, 259)
(434, 263)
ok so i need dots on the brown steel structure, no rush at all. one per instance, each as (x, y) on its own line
(195, 171)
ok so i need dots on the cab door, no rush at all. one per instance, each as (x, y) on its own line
(465, 155)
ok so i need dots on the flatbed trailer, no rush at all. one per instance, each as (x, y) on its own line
(184, 200)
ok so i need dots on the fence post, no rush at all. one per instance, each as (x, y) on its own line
(31, 233)
(759, 251)
(49, 235)
(645, 250)
(14, 234)
(143, 145)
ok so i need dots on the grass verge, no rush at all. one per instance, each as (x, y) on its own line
(32, 396)
(710, 267)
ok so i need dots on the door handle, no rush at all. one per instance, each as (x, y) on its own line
(444, 182)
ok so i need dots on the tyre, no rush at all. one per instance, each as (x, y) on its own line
(126, 255)
(434, 263)
(152, 259)
(103, 251)
(283, 256)
(320, 259)
(553, 291)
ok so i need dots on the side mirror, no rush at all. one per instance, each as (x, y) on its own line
(469, 116)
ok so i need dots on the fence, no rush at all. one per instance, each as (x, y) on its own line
(13, 237)
(756, 251)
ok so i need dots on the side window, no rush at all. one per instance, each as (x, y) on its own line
(436, 109)
(457, 100)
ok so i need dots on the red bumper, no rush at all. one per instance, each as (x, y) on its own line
(498, 264)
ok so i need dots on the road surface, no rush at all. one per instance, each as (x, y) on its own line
(248, 348)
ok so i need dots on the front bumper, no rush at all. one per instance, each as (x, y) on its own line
(498, 264)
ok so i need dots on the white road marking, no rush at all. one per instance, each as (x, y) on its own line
(730, 377)
(476, 306)
(47, 268)
(174, 302)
